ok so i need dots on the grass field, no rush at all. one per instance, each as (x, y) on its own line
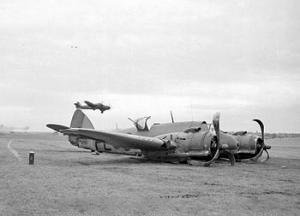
(69, 181)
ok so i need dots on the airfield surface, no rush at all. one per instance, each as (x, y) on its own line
(69, 181)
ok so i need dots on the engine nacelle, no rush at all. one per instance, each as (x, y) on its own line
(247, 143)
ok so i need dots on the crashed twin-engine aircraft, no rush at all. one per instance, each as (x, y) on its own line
(170, 142)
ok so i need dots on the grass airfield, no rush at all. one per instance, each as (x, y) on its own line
(69, 181)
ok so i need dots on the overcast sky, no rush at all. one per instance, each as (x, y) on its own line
(194, 57)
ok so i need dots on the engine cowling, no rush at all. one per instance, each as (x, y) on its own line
(247, 143)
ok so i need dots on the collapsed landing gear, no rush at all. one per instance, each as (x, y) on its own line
(231, 158)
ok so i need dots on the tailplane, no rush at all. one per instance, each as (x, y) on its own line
(57, 127)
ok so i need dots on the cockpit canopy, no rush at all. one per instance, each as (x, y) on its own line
(141, 123)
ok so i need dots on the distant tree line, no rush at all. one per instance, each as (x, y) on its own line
(281, 135)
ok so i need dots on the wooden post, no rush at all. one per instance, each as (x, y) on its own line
(31, 158)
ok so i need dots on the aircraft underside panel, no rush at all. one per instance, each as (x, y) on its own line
(176, 156)
(105, 147)
(86, 143)
(82, 142)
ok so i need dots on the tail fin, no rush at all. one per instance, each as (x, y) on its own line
(80, 120)
(77, 104)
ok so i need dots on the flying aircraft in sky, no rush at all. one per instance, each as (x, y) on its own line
(194, 145)
(89, 105)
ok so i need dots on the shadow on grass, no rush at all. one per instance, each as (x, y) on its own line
(65, 151)
(123, 161)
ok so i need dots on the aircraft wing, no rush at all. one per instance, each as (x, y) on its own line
(119, 139)
(90, 104)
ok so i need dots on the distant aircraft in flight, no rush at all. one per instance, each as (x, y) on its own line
(93, 106)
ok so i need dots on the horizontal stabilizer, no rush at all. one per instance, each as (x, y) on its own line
(57, 127)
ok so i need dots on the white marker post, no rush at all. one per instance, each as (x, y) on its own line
(31, 158)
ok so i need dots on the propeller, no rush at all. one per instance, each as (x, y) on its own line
(216, 123)
(172, 117)
(263, 146)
